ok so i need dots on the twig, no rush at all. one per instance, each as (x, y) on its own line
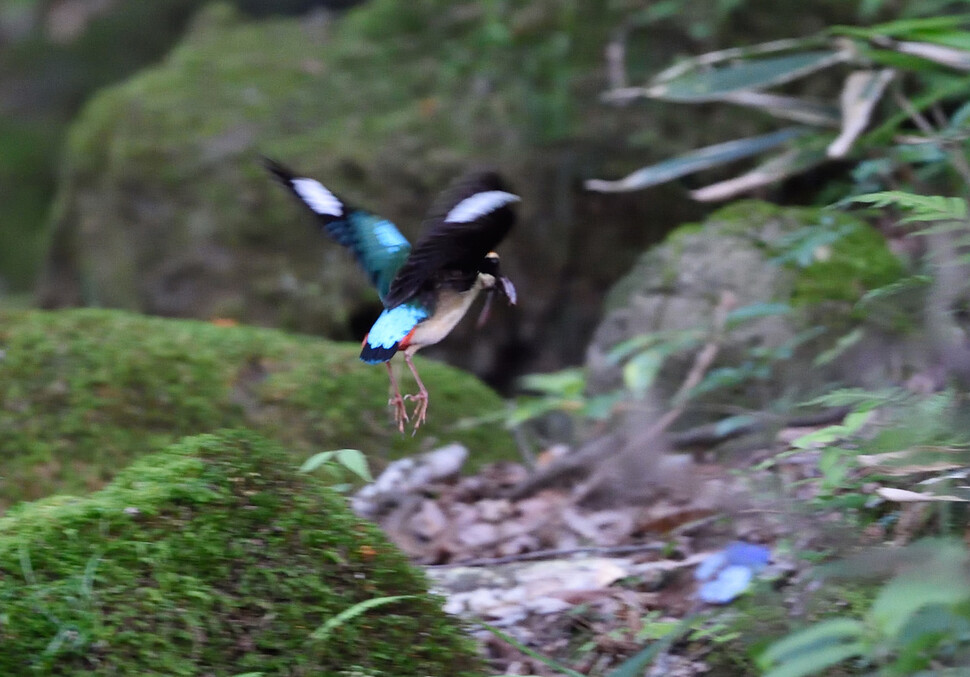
(554, 553)
(713, 433)
(914, 115)
(702, 362)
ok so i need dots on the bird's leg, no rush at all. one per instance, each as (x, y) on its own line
(396, 401)
(420, 411)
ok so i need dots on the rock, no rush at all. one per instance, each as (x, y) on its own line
(85, 392)
(214, 556)
(747, 250)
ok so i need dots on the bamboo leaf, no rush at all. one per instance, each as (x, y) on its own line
(733, 53)
(714, 83)
(695, 161)
(861, 92)
(904, 27)
(777, 168)
(951, 57)
(806, 111)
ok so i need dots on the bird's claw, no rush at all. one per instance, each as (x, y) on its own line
(420, 411)
(400, 411)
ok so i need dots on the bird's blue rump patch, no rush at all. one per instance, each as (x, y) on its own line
(392, 326)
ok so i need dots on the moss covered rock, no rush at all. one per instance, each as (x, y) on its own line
(816, 263)
(84, 392)
(213, 557)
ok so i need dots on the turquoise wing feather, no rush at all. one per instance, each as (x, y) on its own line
(376, 243)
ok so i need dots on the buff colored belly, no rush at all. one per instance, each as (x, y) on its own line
(450, 309)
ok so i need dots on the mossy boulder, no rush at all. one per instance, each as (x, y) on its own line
(85, 392)
(214, 556)
(816, 263)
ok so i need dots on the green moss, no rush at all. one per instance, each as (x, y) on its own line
(84, 392)
(855, 263)
(212, 557)
(837, 257)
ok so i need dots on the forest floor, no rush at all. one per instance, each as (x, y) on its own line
(589, 587)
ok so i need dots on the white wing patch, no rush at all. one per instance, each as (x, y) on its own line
(317, 197)
(478, 205)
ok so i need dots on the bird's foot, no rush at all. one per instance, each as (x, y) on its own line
(400, 411)
(421, 410)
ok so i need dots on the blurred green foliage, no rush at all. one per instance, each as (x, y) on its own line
(919, 622)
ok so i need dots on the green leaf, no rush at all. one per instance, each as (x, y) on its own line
(921, 207)
(950, 57)
(941, 90)
(843, 343)
(355, 461)
(600, 407)
(317, 460)
(731, 54)
(322, 633)
(695, 161)
(905, 595)
(755, 311)
(816, 660)
(904, 27)
(714, 83)
(837, 633)
(821, 437)
(669, 341)
(527, 409)
(567, 382)
(641, 371)
(633, 666)
(894, 288)
(806, 111)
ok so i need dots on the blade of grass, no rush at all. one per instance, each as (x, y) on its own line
(531, 652)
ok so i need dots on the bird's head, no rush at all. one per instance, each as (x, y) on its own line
(493, 281)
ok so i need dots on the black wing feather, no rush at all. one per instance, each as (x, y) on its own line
(453, 250)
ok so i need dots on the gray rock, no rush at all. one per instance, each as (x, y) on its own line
(738, 250)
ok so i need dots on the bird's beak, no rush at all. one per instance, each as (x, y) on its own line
(506, 289)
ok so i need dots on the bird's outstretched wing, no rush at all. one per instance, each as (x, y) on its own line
(463, 226)
(377, 244)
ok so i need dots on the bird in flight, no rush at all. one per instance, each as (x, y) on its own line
(426, 289)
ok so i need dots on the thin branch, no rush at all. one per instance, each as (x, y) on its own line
(702, 363)
(555, 553)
